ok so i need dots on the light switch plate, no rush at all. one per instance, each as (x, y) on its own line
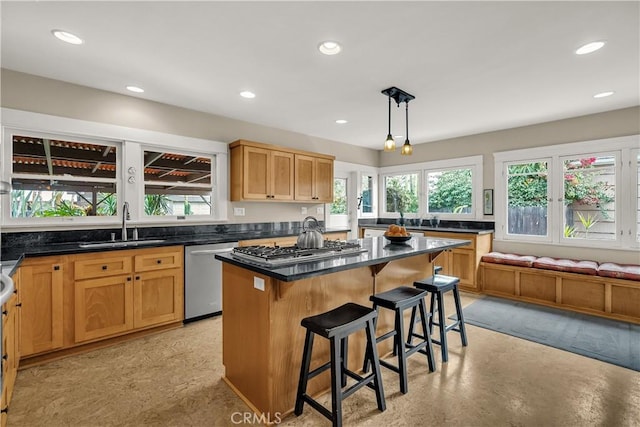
(320, 209)
(303, 210)
(258, 283)
(238, 211)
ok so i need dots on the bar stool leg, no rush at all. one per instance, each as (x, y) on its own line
(432, 310)
(336, 389)
(365, 365)
(423, 319)
(372, 354)
(344, 344)
(304, 372)
(443, 328)
(463, 331)
(400, 347)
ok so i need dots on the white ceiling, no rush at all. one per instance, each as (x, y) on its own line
(472, 66)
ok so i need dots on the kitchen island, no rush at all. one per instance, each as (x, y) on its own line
(263, 306)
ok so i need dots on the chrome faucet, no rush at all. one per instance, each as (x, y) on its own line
(125, 217)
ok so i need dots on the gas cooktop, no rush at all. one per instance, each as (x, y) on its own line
(276, 256)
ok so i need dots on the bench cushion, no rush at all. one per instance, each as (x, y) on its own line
(509, 259)
(568, 265)
(619, 271)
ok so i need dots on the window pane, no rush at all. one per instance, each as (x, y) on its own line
(589, 193)
(527, 199)
(177, 184)
(339, 205)
(366, 201)
(401, 193)
(44, 198)
(449, 191)
(53, 157)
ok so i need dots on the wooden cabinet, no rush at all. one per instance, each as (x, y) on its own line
(41, 313)
(10, 347)
(117, 292)
(261, 174)
(313, 179)
(264, 172)
(463, 262)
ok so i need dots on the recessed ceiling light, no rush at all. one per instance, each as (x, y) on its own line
(247, 94)
(341, 121)
(603, 94)
(135, 89)
(67, 37)
(589, 47)
(329, 47)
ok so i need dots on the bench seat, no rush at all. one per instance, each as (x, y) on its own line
(609, 290)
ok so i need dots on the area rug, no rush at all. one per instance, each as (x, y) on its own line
(611, 341)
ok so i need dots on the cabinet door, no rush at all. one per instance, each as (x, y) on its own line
(41, 291)
(304, 178)
(463, 266)
(9, 349)
(256, 173)
(281, 175)
(324, 180)
(158, 297)
(103, 307)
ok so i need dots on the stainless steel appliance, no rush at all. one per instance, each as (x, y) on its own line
(275, 256)
(203, 280)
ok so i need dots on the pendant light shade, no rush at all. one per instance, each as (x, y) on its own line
(399, 96)
(390, 143)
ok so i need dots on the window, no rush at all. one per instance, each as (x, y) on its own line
(58, 176)
(570, 194)
(367, 188)
(449, 191)
(589, 197)
(177, 184)
(339, 205)
(401, 193)
(527, 195)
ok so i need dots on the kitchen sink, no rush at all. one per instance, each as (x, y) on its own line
(120, 244)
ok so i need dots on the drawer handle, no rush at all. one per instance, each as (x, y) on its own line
(4, 312)
(104, 267)
(4, 410)
(159, 261)
(5, 356)
(19, 304)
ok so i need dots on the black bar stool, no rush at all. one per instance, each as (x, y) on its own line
(398, 300)
(336, 325)
(437, 285)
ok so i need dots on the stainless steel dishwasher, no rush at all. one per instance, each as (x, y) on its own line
(203, 280)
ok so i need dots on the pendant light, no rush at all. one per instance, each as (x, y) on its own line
(390, 143)
(407, 149)
(399, 96)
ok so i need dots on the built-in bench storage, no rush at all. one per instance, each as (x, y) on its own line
(608, 289)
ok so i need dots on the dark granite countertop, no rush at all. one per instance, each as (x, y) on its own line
(379, 251)
(427, 228)
(15, 255)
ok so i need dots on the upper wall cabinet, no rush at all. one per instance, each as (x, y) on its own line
(268, 172)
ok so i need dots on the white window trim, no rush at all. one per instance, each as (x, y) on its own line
(475, 163)
(625, 226)
(86, 130)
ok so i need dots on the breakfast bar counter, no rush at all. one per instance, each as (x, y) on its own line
(263, 306)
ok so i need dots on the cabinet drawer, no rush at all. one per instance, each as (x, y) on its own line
(158, 260)
(101, 267)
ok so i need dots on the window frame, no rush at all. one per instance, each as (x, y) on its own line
(129, 159)
(475, 163)
(624, 211)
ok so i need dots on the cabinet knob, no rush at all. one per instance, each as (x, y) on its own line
(56, 267)
(5, 356)
(159, 261)
(137, 277)
(4, 312)
(104, 267)
(4, 410)
(129, 279)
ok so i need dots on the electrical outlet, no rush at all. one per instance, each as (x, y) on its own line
(238, 211)
(303, 210)
(258, 283)
(320, 210)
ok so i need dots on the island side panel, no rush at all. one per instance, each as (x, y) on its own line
(245, 334)
(294, 301)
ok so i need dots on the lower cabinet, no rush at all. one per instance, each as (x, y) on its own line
(10, 348)
(122, 291)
